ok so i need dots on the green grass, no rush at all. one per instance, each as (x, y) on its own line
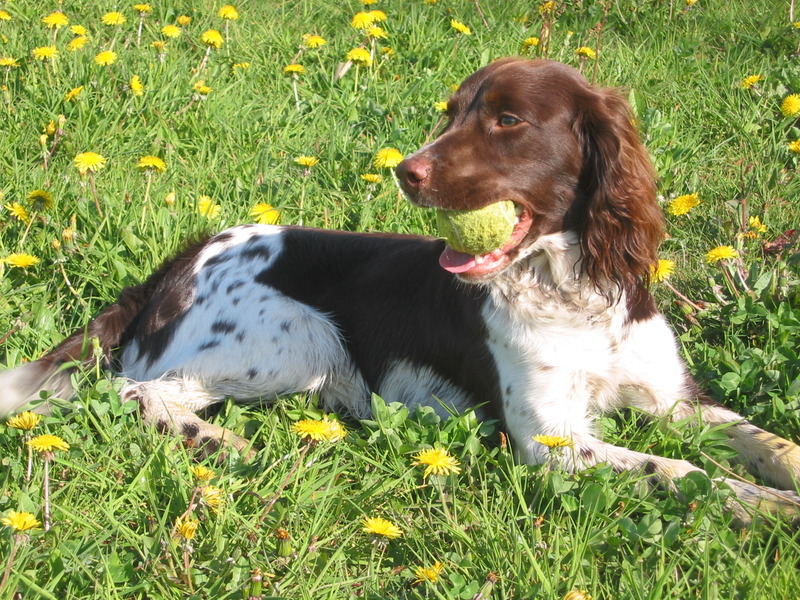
(117, 492)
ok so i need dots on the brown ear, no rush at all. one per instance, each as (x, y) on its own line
(620, 222)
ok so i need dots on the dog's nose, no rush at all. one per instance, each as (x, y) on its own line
(413, 172)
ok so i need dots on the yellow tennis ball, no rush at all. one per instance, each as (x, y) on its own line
(479, 231)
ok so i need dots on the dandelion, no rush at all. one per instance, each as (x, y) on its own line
(202, 473)
(319, 430)
(440, 106)
(360, 56)
(284, 542)
(546, 8)
(580, 594)
(21, 260)
(683, 204)
(362, 20)
(794, 146)
(77, 43)
(40, 200)
(586, 52)
(4, 16)
(240, 65)
(721, 253)
(160, 47)
(372, 177)
(8, 62)
(46, 445)
(751, 81)
(756, 224)
(55, 20)
(24, 421)
(377, 33)
(89, 162)
(20, 521)
(460, 27)
(662, 270)
(690, 2)
(212, 497)
(790, 107)
(18, 212)
(388, 158)
(265, 214)
(212, 39)
(136, 86)
(44, 52)
(105, 58)
(186, 528)
(151, 164)
(429, 573)
(379, 527)
(378, 16)
(78, 29)
(307, 161)
(201, 88)
(228, 12)
(114, 19)
(208, 208)
(529, 43)
(314, 41)
(554, 441)
(294, 69)
(436, 462)
(169, 199)
(184, 20)
(171, 31)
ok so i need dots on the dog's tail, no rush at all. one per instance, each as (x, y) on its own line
(113, 327)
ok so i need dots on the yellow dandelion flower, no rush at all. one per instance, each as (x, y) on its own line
(314, 41)
(20, 260)
(586, 52)
(160, 46)
(73, 94)
(4, 16)
(378, 16)
(751, 81)
(377, 33)
(25, 420)
(143, 9)
(794, 146)
(50, 128)
(136, 85)
(372, 177)
(212, 38)
(8, 62)
(360, 56)
(386, 51)
(77, 43)
(683, 204)
(530, 42)
(20, 521)
(184, 20)
(152, 164)
(436, 462)
(47, 443)
(368, 2)
(294, 69)
(756, 224)
(460, 27)
(240, 65)
(319, 430)
(228, 12)
(546, 8)
(307, 161)
(187, 528)
(662, 270)
(212, 497)
(388, 158)
(362, 20)
(201, 88)
(40, 200)
(44, 52)
(441, 106)
(266, 214)
(381, 527)
(106, 57)
(18, 212)
(78, 29)
(790, 107)
(114, 18)
(56, 20)
(208, 208)
(202, 473)
(171, 31)
(691, 2)
(721, 253)
(429, 573)
(554, 441)
(89, 162)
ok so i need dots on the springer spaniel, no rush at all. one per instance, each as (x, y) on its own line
(545, 333)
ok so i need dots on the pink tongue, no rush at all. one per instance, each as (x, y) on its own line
(456, 262)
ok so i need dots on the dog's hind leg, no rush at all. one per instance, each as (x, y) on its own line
(169, 404)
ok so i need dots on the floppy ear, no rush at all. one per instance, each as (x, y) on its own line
(621, 224)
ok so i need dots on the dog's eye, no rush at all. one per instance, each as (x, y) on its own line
(507, 121)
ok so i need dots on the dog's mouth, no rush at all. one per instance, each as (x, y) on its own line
(484, 266)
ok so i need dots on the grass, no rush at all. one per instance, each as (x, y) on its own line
(497, 527)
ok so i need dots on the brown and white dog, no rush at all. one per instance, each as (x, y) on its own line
(545, 333)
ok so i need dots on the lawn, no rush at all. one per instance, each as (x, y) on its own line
(128, 129)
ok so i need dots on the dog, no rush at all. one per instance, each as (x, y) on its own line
(545, 333)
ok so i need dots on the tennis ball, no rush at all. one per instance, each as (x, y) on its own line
(479, 231)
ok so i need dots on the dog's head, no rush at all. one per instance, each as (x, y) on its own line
(565, 152)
